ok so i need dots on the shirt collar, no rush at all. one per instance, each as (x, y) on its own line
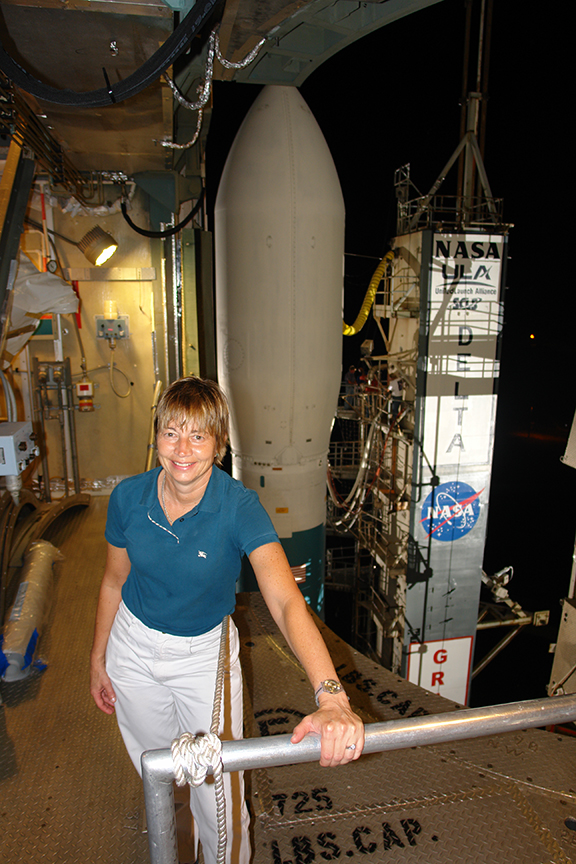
(210, 502)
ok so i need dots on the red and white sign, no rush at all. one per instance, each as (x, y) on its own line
(442, 667)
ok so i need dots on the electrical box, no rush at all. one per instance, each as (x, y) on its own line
(85, 395)
(17, 447)
(112, 328)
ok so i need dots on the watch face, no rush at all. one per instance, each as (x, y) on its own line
(328, 686)
(331, 686)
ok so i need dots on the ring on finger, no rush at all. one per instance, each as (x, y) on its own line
(351, 747)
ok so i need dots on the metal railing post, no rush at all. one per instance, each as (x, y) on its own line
(158, 771)
(158, 777)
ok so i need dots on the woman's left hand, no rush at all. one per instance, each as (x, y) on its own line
(342, 731)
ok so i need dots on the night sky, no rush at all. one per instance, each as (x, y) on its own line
(391, 98)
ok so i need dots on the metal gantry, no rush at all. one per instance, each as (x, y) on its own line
(370, 459)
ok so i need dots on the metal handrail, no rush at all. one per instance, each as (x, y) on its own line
(158, 769)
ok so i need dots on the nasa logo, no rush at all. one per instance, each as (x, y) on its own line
(463, 249)
(454, 513)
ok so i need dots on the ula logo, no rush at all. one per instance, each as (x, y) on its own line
(450, 511)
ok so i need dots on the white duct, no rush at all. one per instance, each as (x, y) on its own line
(29, 610)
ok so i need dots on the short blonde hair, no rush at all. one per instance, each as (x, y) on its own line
(198, 401)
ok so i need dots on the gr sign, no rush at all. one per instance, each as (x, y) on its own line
(442, 666)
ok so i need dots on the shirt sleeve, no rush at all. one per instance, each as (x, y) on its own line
(254, 526)
(114, 532)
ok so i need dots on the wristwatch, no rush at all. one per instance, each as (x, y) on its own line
(328, 686)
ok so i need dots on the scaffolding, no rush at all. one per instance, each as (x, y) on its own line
(370, 481)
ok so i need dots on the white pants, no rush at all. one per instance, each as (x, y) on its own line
(165, 686)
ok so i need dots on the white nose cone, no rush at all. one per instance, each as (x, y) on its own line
(279, 232)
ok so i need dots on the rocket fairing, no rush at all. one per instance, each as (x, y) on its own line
(279, 237)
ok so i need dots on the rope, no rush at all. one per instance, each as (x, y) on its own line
(219, 677)
(193, 754)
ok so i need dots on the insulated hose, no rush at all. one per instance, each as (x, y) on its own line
(150, 70)
(348, 330)
(168, 232)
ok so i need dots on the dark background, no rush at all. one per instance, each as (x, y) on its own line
(394, 97)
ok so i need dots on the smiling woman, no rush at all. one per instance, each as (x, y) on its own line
(176, 539)
(187, 456)
(189, 444)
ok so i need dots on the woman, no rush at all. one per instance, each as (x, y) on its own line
(176, 537)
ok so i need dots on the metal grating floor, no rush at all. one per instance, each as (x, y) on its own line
(502, 799)
(68, 792)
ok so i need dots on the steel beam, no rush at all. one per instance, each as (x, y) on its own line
(15, 191)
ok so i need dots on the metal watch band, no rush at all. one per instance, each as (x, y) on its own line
(327, 686)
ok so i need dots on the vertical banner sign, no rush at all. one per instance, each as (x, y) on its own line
(458, 365)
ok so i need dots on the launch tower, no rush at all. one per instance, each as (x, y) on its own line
(418, 437)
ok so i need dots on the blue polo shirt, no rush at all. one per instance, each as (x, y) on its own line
(183, 576)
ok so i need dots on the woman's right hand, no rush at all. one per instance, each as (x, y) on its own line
(115, 574)
(101, 687)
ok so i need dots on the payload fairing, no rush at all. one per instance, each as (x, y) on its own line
(279, 234)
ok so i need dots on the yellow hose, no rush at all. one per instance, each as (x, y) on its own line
(369, 298)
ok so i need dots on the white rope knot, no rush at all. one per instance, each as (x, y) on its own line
(193, 755)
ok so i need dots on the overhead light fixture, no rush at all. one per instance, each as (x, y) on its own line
(98, 246)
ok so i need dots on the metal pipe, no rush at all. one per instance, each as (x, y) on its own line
(151, 449)
(62, 421)
(503, 643)
(485, 75)
(411, 732)
(79, 338)
(71, 425)
(480, 47)
(157, 777)
(520, 621)
(158, 771)
(40, 414)
(72, 434)
(465, 73)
